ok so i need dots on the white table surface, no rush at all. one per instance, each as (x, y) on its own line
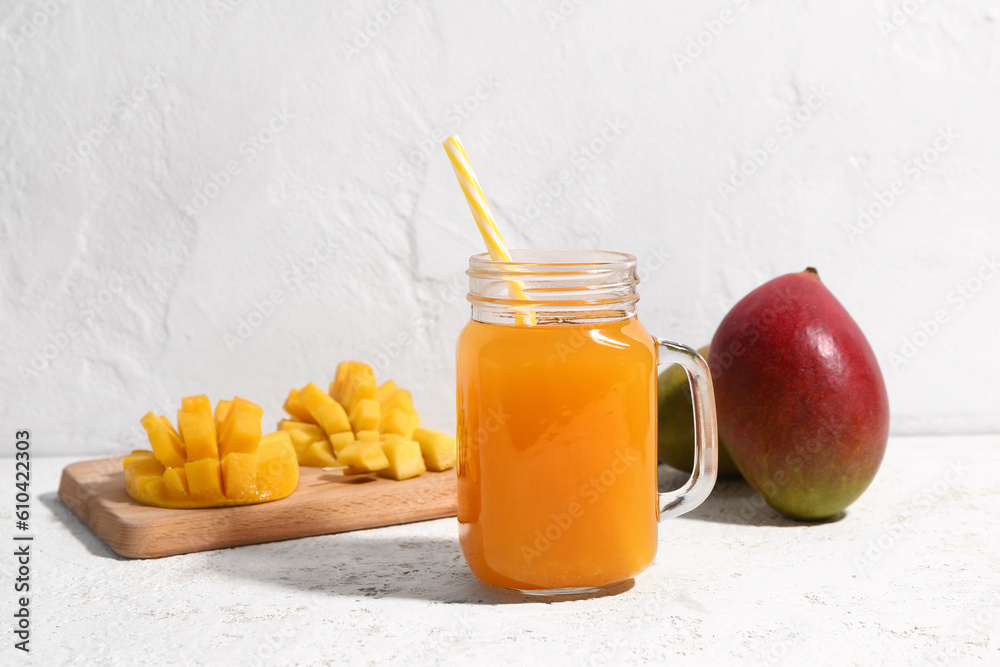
(911, 575)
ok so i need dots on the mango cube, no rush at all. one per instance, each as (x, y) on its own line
(318, 455)
(204, 480)
(358, 413)
(344, 370)
(315, 431)
(176, 484)
(170, 428)
(404, 459)
(302, 435)
(361, 386)
(400, 399)
(365, 415)
(341, 387)
(278, 467)
(197, 426)
(222, 409)
(302, 441)
(239, 476)
(365, 456)
(295, 408)
(385, 390)
(327, 412)
(311, 444)
(400, 422)
(272, 445)
(150, 487)
(144, 477)
(241, 432)
(340, 440)
(438, 449)
(167, 445)
(135, 456)
(147, 466)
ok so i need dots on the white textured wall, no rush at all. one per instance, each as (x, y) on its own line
(229, 157)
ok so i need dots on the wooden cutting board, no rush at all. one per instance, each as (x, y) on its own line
(325, 502)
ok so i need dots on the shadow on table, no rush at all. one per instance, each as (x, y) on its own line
(78, 528)
(733, 501)
(376, 565)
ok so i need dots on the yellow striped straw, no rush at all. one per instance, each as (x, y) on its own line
(484, 217)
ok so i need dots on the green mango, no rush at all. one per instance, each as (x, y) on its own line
(676, 423)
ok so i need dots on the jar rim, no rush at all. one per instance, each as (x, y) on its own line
(541, 258)
(557, 286)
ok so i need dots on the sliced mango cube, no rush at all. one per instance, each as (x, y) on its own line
(146, 466)
(385, 390)
(273, 444)
(135, 456)
(342, 389)
(340, 440)
(313, 430)
(400, 399)
(327, 412)
(366, 456)
(222, 409)
(176, 484)
(318, 455)
(170, 428)
(303, 435)
(167, 445)
(340, 379)
(144, 477)
(295, 408)
(438, 449)
(302, 441)
(400, 422)
(358, 413)
(362, 387)
(239, 476)
(404, 459)
(205, 480)
(151, 487)
(365, 415)
(197, 426)
(241, 432)
(278, 467)
(269, 472)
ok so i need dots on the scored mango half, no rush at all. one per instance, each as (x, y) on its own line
(361, 426)
(213, 459)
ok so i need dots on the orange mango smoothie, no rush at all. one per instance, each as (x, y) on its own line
(557, 453)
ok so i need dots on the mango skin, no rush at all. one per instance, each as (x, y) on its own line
(801, 401)
(675, 423)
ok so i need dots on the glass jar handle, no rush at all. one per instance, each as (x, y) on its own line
(706, 442)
